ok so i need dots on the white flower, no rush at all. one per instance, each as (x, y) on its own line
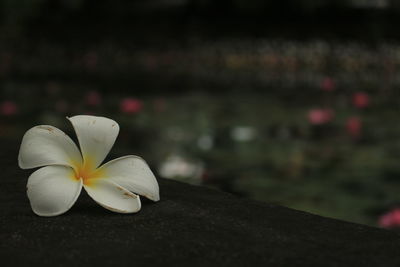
(52, 190)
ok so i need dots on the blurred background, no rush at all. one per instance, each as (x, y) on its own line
(293, 102)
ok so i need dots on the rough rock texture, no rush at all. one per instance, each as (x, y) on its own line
(190, 226)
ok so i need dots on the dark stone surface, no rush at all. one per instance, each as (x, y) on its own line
(190, 226)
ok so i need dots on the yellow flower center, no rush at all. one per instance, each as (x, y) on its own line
(86, 172)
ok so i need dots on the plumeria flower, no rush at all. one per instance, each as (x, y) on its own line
(53, 189)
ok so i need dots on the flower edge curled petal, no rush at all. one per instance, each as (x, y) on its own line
(96, 136)
(45, 145)
(134, 174)
(52, 190)
(113, 197)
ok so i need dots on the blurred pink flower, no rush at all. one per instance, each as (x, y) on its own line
(390, 219)
(93, 98)
(131, 105)
(360, 100)
(354, 126)
(328, 84)
(8, 108)
(320, 116)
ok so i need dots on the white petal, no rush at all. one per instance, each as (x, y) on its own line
(113, 197)
(52, 190)
(96, 137)
(132, 173)
(46, 145)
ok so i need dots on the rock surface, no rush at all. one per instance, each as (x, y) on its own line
(190, 226)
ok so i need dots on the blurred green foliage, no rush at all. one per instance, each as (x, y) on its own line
(306, 123)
